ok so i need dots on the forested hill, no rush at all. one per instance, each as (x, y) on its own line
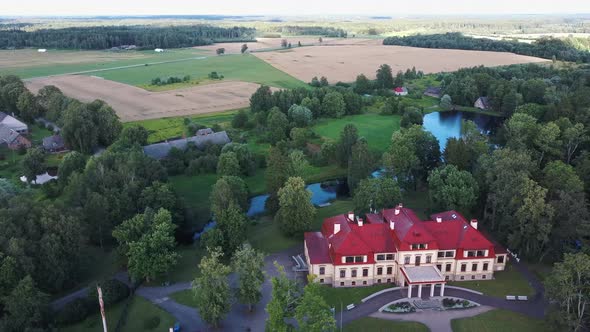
(96, 38)
(544, 48)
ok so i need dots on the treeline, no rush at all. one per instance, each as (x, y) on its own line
(548, 48)
(144, 37)
(312, 30)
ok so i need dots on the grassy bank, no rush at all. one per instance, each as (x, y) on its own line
(381, 325)
(508, 282)
(499, 320)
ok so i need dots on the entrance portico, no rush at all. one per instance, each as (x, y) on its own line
(423, 276)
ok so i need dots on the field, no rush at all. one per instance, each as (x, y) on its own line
(507, 282)
(133, 104)
(381, 325)
(345, 62)
(499, 320)
(268, 43)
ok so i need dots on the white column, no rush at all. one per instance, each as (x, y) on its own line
(432, 290)
(409, 291)
(442, 290)
(420, 291)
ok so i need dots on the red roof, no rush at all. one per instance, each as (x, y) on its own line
(399, 89)
(317, 248)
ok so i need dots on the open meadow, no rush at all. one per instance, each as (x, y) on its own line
(344, 62)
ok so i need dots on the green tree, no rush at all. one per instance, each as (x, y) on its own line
(299, 137)
(558, 176)
(228, 190)
(240, 119)
(72, 162)
(244, 48)
(154, 252)
(261, 100)
(28, 107)
(232, 222)
(412, 116)
(79, 130)
(244, 156)
(567, 287)
(211, 288)
(446, 102)
(300, 115)
(324, 81)
(228, 165)
(384, 77)
(95, 212)
(452, 189)
(457, 153)
(391, 106)
(333, 105)
(7, 191)
(277, 126)
(248, 264)
(284, 297)
(278, 170)
(313, 104)
(296, 211)
(106, 121)
(573, 136)
(348, 138)
(33, 163)
(26, 307)
(376, 194)
(360, 164)
(298, 162)
(313, 313)
(362, 84)
(534, 220)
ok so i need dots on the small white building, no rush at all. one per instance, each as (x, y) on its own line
(400, 91)
(42, 50)
(159, 50)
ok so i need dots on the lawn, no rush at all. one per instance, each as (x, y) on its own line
(376, 128)
(508, 282)
(185, 297)
(187, 266)
(240, 67)
(382, 325)
(499, 320)
(97, 60)
(335, 296)
(140, 311)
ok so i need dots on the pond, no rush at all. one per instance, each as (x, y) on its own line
(444, 125)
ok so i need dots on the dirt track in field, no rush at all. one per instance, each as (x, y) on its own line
(345, 62)
(135, 104)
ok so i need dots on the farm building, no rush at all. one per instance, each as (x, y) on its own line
(161, 150)
(42, 50)
(12, 139)
(159, 50)
(433, 92)
(54, 143)
(483, 103)
(14, 124)
(401, 91)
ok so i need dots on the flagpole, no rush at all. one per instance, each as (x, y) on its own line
(101, 303)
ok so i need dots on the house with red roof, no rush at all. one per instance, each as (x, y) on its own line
(400, 91)
(395, 246)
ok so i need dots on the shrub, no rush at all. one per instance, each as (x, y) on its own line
(74, 312)
(240, 119)
(113, 291)
(151, 322)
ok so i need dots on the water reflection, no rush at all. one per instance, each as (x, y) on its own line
(444, 125)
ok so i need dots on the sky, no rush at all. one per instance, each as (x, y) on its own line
(289, 8)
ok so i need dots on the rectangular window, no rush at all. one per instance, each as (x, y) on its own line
(500, 259)
(364, 282)
(441, 254)
(449, 254)
(381, 257)
(358, 259)
(321, 281)
(407, 260)
(481, 253)
(485, 266)
(472, 277)
(354, 283)
(439, 267)
(342, 273)
(322, 270)
(341, 283)
(389, 257)
(417, 260)
(349, 259)
(448, 267)
(483, 276)
(379, 271)
(353, 273)
(471, 254)
(474, 267)
(463, 267)
(389, 270)
(365, 272)
(462, 277)
(428, 259)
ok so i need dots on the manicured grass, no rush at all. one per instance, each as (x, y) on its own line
(37, 133)
(187, 266)
(508, 282)
(499, 320)
(336, 296)
(93, 60)
(377, 129)
(194, 191)
(241, 67)
(382, 325)
(140, 310)
(185, 297)
(265, 235)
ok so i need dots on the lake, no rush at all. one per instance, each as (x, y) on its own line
(444, 125)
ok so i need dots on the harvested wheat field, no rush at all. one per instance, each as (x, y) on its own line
(31, 58)
(134, 104)
(270, 43)
(345, 62)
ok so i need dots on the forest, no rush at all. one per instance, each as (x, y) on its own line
(143, 37)
(296, 30)
(548, 48)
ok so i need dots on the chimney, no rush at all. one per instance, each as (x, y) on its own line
(336, 228)
(359, 221)
(438, 219)
(396, 211)
(391, 225)
(474, 223)
(351, 216)
(400, 205)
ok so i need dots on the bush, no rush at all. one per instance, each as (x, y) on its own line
(240, 119)
(74, 312)
(151, 323)
(113, 291)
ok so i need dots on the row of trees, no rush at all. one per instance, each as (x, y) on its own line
(548, 48)
(105, 37)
